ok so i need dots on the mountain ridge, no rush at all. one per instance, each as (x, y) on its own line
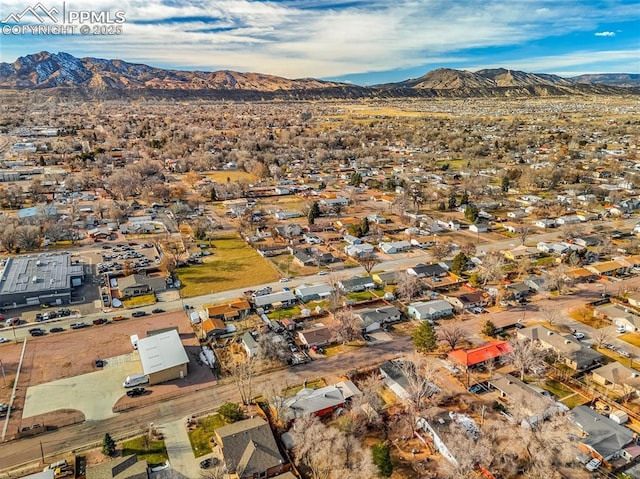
(107, 78)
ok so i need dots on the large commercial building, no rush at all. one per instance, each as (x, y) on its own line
(38, 279)
(163, 357)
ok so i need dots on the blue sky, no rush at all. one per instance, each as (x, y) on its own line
(360, 41)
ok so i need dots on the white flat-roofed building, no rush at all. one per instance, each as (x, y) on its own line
(163, 357)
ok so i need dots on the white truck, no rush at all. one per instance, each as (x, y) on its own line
(134, 341)
(135, 380)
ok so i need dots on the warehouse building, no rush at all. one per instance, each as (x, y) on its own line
(38, 279)
(163, 357)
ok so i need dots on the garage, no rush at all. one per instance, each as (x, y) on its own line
(163, 357)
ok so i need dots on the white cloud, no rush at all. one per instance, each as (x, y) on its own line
(605, 34)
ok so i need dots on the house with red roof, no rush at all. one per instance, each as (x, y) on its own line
(474, 356)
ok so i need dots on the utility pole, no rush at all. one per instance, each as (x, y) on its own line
(4, 378)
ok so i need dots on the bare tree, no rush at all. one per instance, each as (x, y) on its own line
(492, 267)
(217, 471)
(550, 313)
(453, 334)
(603, 335)
(408, 286)
(275, 394)
(243, 372)
(368, 263)
(271, 348)
(440, 251)
(347, 325)
(525, 357)
(28, 237)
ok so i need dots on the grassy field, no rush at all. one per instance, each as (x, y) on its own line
(631, 338)
(311, 384)
(360, 295)
(233, 264)
(292, 312)
(232, 175)
(144, 300)
(154, 452)
(556, 388)
(200, 437)
(574, 400)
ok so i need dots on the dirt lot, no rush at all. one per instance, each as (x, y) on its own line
(72, 353)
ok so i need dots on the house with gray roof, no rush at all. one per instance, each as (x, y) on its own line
(127, 467)
(250, 450)
(319, 402)
(604, 438)
(356, 283)
(374, 318)
(430, 310)
(617, 378)
(569, 350)
(279, 299)
(163, 357)
(313, 292)
(619, 315)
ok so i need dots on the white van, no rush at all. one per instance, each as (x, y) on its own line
(134, 341)
(135, 380)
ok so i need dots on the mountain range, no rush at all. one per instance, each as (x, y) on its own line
(99, 77)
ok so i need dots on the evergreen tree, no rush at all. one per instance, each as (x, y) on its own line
(465, 198)
(489, 328)
(381, 457)
(214, 195)
(471, 213)
(314, 212)
(355, 179)
(424, 338)
(453, 201)
(108, 445)
(504, 184)
(364, 227)
(459, 263)
(231, 411)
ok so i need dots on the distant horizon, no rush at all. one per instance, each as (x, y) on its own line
(322, 79)
(363, 42)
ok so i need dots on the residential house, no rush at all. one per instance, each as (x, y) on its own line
(277, 300)
(617, 378)
(479, 228)
(467, 300)
(602, 437)
(480, 354)
(570, 219)
(352, 240)
(356, 284)
(608, 268)
(318, 402)
(394, 377)
(535, 283)
(394, 247)
(534, 401)
(586, 241)
(359, 250)
(634, 300)
(249, 449)
(517, 214)
(302, 258)
(236, 309)
(520, 252)
(422, 241)
(313, 292)
(619, 315)
(213, 327)
(333, 202)
(374, 318)
(134, 285)
(439, 430)
(385, 278)
(545, 223)
(433, 270)
(569, 350)
(553, 248)
(519, 290)
(316, 336)
(250, 344)
(127, 467)
(287, 215)
(312, 238)
(430, 310)
(289, 231)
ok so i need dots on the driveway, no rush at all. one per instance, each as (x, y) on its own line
(179, 449)
(94, 393)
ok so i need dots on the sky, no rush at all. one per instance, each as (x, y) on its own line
(360, 41)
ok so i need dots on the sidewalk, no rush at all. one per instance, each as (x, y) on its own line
(179, 449)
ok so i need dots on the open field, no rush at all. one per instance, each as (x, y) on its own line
(154, 452)
(231, 175)
(233, 264)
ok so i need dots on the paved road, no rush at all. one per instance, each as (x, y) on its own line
(16, 453)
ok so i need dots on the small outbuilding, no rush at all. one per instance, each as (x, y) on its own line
(163, 357)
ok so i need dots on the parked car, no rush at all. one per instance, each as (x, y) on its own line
(138, 314)
(99, 363)
(593, 465)
(621, 329)
(37, 332)
(99, 321)
(4, 340)
(135, 392)
(157, 311)
(57, 329)
(79, 325)
(207, 463)
(120, 317)
(284, 280)
(578, 335)
(323, 273)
